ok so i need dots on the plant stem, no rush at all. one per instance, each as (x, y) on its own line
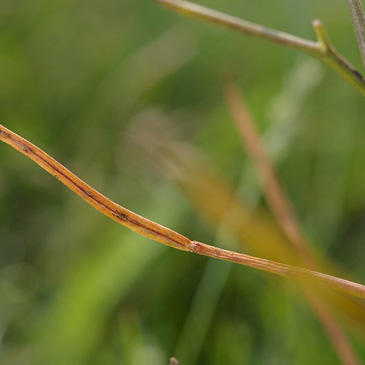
(358, 20)
(277, 198)
(322, 49)
(283, 210)
(241, 25)
(161, 234)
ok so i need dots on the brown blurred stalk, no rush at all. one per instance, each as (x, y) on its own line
(282, 208)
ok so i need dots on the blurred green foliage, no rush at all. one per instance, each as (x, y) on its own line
(75, 287)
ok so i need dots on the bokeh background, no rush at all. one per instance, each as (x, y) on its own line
(98, 84)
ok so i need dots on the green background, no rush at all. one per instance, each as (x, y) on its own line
(75, 78)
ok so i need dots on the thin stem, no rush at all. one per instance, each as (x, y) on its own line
(161, 234)
(342, 345)
(279, 268)
(328, 54)
(278, 200)
(133, 221)
(282, 208)
(358, 20)
(241, 25)
(322, 49)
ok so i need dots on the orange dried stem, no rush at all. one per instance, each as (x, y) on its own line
(274, 193)
(157, 232)
(281, 206)
(131, 220)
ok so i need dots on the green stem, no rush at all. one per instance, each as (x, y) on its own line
(358, 20)
(322, 49)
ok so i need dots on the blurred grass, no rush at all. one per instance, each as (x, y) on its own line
(75, 287)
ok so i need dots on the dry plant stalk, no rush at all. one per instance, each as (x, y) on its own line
(216, 201)
(275, 195)
(285, 214)
(280, 204)
(322, 49)
(164, 235)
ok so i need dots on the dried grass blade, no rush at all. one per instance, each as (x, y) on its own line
(162, 234)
